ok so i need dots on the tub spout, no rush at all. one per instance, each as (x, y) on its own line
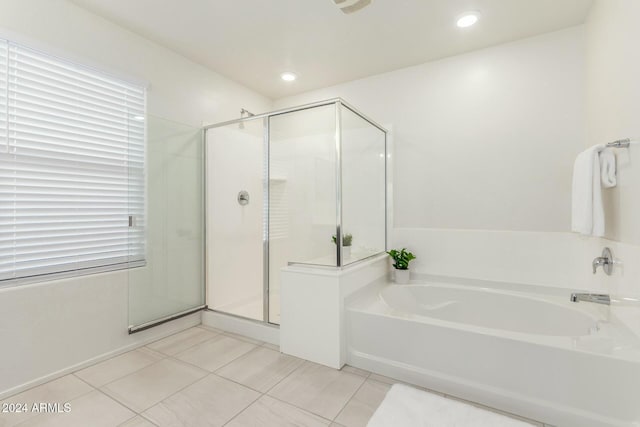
(596, 298)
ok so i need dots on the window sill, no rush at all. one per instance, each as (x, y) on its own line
(71, 274)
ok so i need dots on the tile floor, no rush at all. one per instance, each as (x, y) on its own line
(205, 377)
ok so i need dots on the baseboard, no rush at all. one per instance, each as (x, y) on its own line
(536, 409)
(249, 328)
(143, 338)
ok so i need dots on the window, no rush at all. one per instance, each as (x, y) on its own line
(71, 167)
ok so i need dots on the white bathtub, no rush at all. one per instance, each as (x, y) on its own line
(527, 351)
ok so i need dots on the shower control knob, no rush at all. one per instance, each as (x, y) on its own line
(243, 198)
(606, 261)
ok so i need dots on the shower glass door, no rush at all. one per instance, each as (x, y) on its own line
(167, 224)
(302, 193)
(236, 235)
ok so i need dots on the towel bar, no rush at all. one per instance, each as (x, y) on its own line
(621, 143)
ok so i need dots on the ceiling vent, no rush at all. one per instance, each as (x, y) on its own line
(350, 6)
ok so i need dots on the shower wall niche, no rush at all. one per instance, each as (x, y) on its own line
(302, 186)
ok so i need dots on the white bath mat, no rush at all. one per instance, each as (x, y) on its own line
(406, 406)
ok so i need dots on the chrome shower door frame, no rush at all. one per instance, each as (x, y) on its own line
(339, 104)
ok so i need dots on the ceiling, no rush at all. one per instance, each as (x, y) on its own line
(253, 41)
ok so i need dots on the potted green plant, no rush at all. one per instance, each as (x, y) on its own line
(401, 259)
(346, 244)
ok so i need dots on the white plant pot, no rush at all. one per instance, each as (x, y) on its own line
(402, 276)
(346, 252)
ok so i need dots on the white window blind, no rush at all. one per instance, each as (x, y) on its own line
(71, 167)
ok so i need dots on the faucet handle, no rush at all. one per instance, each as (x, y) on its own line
(606, 261)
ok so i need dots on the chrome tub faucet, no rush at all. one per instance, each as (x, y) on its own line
(596, 298)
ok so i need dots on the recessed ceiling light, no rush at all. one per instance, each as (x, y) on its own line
(468, 19)
(288, 76)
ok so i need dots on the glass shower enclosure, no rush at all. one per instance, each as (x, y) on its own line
(302, 186)
(168, 227)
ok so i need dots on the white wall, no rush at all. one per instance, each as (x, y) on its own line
(484, 150)
(613, 90)
(49, 327)
(484, 140)
(485, 144)
(557, 260)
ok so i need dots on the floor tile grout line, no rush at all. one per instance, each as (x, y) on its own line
(350, 398)
(236, 382)
(43, 414)
(237, 358)
(165, 356)
(235, 335)
(366, 376)
(243, 409)
(43, 384)
(249, 387)
(299, 407)
(135, 414)
(130, 373)
(243, 338)
(173, 394)
(174, 334)
(208, 371)
(265, 344)
(175, 359)
(306, 410)
(173, 356)
(246, 354)
(286, 376)
(80, 379)
(11, 397)
(147, 418)
(216, 335)
(119, 378)
(118, 402)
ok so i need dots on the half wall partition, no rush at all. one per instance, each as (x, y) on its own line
(304, 186)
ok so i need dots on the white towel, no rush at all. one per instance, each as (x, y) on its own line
(607, 168)
(407, 406)
(593, 169)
